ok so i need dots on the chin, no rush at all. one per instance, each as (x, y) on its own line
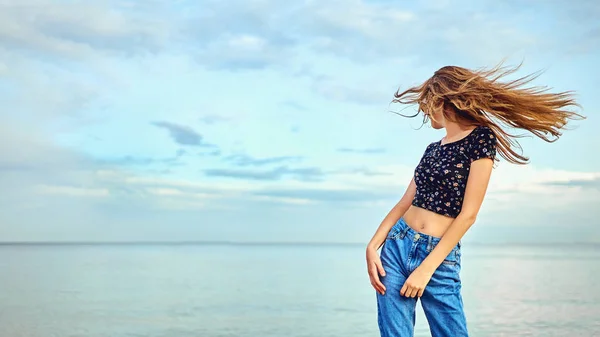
(436, 126)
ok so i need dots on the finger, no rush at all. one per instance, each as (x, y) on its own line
(378, 288)
(375, 286)
(414, 292)
(380, 268)
(374, 280)
(421, 292)
(403, 290)
(375, 276)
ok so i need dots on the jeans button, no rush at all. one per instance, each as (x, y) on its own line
(417, 236)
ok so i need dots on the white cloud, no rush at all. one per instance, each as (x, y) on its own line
(78, 29)
(356, 16)
(61, 62)
(269, 30)
(247, 43)
(530, 178)
(72, 191)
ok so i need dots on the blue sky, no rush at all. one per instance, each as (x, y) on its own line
(264, 120)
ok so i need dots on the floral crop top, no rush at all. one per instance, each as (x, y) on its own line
(441, 176)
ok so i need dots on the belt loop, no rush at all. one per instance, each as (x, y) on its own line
(429, 246)
(403, 232)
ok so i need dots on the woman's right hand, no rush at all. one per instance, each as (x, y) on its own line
(375, 269)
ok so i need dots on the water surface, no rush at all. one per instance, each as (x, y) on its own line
(277, 290)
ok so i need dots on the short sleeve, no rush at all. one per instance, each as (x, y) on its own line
(429, 148)
(484, 144)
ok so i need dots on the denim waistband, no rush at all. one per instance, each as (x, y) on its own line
(402, 229)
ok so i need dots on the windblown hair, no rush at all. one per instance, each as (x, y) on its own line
(478, 98)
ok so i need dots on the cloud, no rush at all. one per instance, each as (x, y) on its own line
(341, 196)
(71, 56)
(242, 51)
(183, 135)
(362, 171)
(530, 178)
(213, 119)
(259, 34)
(30, 151)
(59, 92)
(130, 160)
(278, 173)
(79, 29)
(68, 186)
(369, 93)
(72, 191)
(213, 153)
(373, 150)
(590, 182)
(245, 160)
(256, 34)
(46, 188)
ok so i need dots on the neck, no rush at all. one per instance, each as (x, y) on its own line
(454, 129)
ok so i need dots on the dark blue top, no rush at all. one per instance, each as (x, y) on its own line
(441, 176)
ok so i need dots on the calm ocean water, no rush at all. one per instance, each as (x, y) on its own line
(277, 290)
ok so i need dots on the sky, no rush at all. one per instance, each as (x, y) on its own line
(270, 121)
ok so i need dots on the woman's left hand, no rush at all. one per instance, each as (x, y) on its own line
(416, 283)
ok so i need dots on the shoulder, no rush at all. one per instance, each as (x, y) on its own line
(430, 147)
(428, 150)
(484, 130)
(484, 135)
(483, 143)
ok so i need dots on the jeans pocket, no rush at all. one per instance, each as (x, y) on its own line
(449, 262)
(452, 258)
(393, 233)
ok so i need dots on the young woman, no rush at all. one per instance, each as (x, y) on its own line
(421, 253)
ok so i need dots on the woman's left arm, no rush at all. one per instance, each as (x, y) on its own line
(475, 190)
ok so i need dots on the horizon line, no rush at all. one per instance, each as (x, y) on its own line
(262, 243)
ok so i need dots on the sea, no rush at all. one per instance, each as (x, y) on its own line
(278, 290)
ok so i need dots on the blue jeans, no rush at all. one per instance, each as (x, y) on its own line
(404, 250)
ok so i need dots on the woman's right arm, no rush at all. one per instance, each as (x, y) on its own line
(392, 217)
(374, 266)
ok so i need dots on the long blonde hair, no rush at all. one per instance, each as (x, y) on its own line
(478, 98)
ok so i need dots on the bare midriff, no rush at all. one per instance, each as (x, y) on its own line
(427, 222)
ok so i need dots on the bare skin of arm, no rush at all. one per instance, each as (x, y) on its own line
(476, 188)
(374, 265)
